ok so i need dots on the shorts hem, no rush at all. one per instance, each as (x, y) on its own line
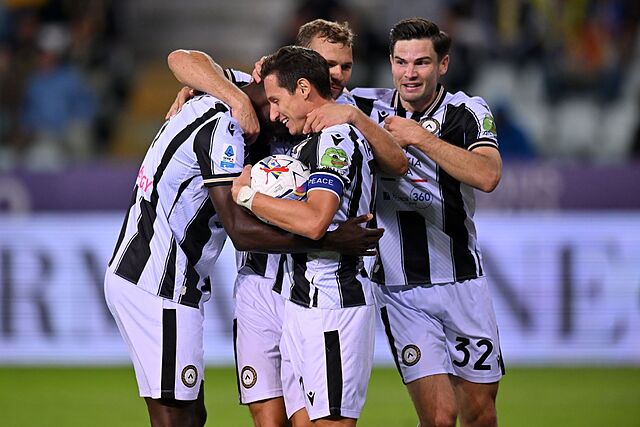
(246, 400)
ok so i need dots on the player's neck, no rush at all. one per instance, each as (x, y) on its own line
(418, 105)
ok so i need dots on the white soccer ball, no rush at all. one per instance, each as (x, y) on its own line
(280, 176)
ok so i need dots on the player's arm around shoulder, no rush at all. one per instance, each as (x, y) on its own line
(387, 152)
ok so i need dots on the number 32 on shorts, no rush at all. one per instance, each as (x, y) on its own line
(463, 347)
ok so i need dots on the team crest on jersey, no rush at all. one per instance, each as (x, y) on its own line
(410, 355)
(189, 376)
(229, 157)
(335, 158)
(248, 377)
(430, 124)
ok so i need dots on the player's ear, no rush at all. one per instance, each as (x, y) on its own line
(444, 65)
(304, 87)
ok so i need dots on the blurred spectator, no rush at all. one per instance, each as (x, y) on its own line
(58, 108)
(471, 41)
(587, 47)
(515, 143)
(370, 45)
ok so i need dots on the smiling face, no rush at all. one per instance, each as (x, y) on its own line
(290, 109)
(415, 69)
(340, 59)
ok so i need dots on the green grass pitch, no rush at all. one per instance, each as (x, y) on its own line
(535, 397)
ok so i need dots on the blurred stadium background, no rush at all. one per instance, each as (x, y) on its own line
(84, 86)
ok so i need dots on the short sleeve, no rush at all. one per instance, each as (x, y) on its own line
(219, 148)
(480, 130)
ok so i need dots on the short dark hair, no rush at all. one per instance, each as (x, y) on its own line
(333, 32)
(420, 28)
(291, 63)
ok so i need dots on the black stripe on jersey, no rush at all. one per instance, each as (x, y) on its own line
(384, 315)
(334, 371)
(206, 287)
(169, 342)
(454, 214)
(301, 286)
(181, 189)
(168, 282)
(351, 291)
(414, 246)
(203, 147)
(378, 268)
(257, 262)
(123, 229)
(138, 251)
(277, 284)
(364, 104)
(192, 294)
(197, 233)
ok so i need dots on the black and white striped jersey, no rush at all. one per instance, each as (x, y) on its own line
(171, 236)
(266, 265)
(430, 236)
(341, 161)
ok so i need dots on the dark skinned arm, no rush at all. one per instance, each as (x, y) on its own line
(248, 233)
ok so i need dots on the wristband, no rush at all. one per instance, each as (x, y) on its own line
(245, 196)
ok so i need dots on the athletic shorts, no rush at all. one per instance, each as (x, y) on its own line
(257, 332)
(442, 329)
(164, 339)
(331, 354)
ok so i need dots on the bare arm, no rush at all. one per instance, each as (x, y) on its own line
(480, 168)
(198, 70)
(309, 218)
(387, 152)
(249, 233)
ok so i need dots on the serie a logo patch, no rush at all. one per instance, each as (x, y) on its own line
(410, 355)
(248, 377)
(189, 376)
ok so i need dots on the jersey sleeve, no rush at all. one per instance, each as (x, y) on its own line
(480, 131)
(238, 78)
(331, 165)
(219, 148)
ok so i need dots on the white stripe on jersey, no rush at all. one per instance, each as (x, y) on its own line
(172, 235)
(430, 235)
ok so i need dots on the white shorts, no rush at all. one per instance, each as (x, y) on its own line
(331, 354)
(164, 339)
(257, 332)
(442, 329)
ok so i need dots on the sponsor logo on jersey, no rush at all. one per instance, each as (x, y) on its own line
(382, 115)
(418, 198)
(229, 157)
(311, 395)
(231, 128)
(248, 377)
(410, 355)
(189, 376)
(430, 124)
(144, 182)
